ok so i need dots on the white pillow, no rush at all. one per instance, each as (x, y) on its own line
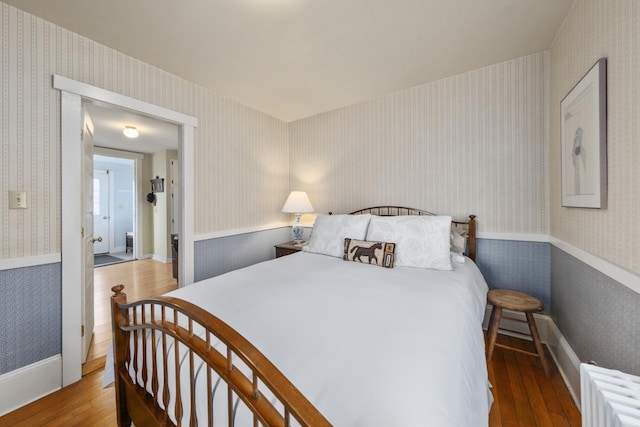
(422, 241)
(458, 241)
(329, 232)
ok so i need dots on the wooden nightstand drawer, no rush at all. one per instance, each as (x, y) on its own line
(287, 248)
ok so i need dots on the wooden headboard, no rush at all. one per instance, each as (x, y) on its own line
(468, 226)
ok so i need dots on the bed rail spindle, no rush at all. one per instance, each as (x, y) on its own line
(229, 390)
(136, 338)
(165, 369)
(209, 397)
(145, 373)
(154, 354)
(192, 390)
(176, 347)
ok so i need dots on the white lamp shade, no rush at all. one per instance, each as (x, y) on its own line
(297, 202)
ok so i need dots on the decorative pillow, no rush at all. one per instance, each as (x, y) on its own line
(456, 257)
(421, 241)
(329, 232)
(376, 253)
(458, 240)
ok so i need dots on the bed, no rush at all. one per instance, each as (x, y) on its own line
(311, 339)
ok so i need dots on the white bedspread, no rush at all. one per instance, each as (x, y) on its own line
(368, 346)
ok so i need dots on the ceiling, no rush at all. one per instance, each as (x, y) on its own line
(109, 122)
(296, 58)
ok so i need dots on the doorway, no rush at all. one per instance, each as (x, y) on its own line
(114, 209)
(72, 95)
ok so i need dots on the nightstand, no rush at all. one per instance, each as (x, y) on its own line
(287, 248)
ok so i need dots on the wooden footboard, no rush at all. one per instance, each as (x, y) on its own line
(176, 364)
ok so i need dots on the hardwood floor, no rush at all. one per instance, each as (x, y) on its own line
(523, 396)
(141, 279)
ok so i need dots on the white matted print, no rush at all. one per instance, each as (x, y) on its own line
(584, 141)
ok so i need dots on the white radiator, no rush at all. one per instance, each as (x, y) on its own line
(609, 398)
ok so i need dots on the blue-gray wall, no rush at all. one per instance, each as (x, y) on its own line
(599, 317)
(221, 255)
(30, 315)
(516, 265)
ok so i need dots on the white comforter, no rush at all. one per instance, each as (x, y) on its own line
(368, 346)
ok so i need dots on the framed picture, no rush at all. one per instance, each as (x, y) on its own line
(157, 185)
(584, 141)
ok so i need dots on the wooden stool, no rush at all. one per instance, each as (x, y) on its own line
(516, 301)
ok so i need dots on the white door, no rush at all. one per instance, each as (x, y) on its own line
(87, 249)
(101, 211)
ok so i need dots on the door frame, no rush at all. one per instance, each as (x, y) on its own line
(72, 94)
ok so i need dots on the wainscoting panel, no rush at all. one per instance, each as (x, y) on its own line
(221, 255)
(516, 265)
(30, 312)
(599, 317)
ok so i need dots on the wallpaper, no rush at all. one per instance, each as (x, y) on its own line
(242, 156)
(592, 30)
(598, 316)
(474, 143)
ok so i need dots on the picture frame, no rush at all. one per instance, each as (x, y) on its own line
(157, 185)
(584, 140)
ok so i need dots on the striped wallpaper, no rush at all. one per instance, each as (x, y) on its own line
(242, 156)
(592, 30)
(474, 143)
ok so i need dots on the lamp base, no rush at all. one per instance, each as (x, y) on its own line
(298, 229)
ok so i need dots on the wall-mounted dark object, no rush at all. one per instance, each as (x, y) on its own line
(151, 198)
(157, 185)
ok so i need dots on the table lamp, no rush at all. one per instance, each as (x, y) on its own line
(297, 203)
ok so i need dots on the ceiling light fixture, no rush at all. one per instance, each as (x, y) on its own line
(130, 132)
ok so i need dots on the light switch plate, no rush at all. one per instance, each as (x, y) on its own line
(17, 200)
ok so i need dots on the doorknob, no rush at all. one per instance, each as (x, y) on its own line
(99, 239)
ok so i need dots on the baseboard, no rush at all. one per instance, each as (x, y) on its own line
(30, 383)
(162, 259)
(567, 361)
(565, 358)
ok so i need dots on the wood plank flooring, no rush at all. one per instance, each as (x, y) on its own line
(523, 396)
(141, 279)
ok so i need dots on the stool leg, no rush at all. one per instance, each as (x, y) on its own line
(536, 341)
(494, 323)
